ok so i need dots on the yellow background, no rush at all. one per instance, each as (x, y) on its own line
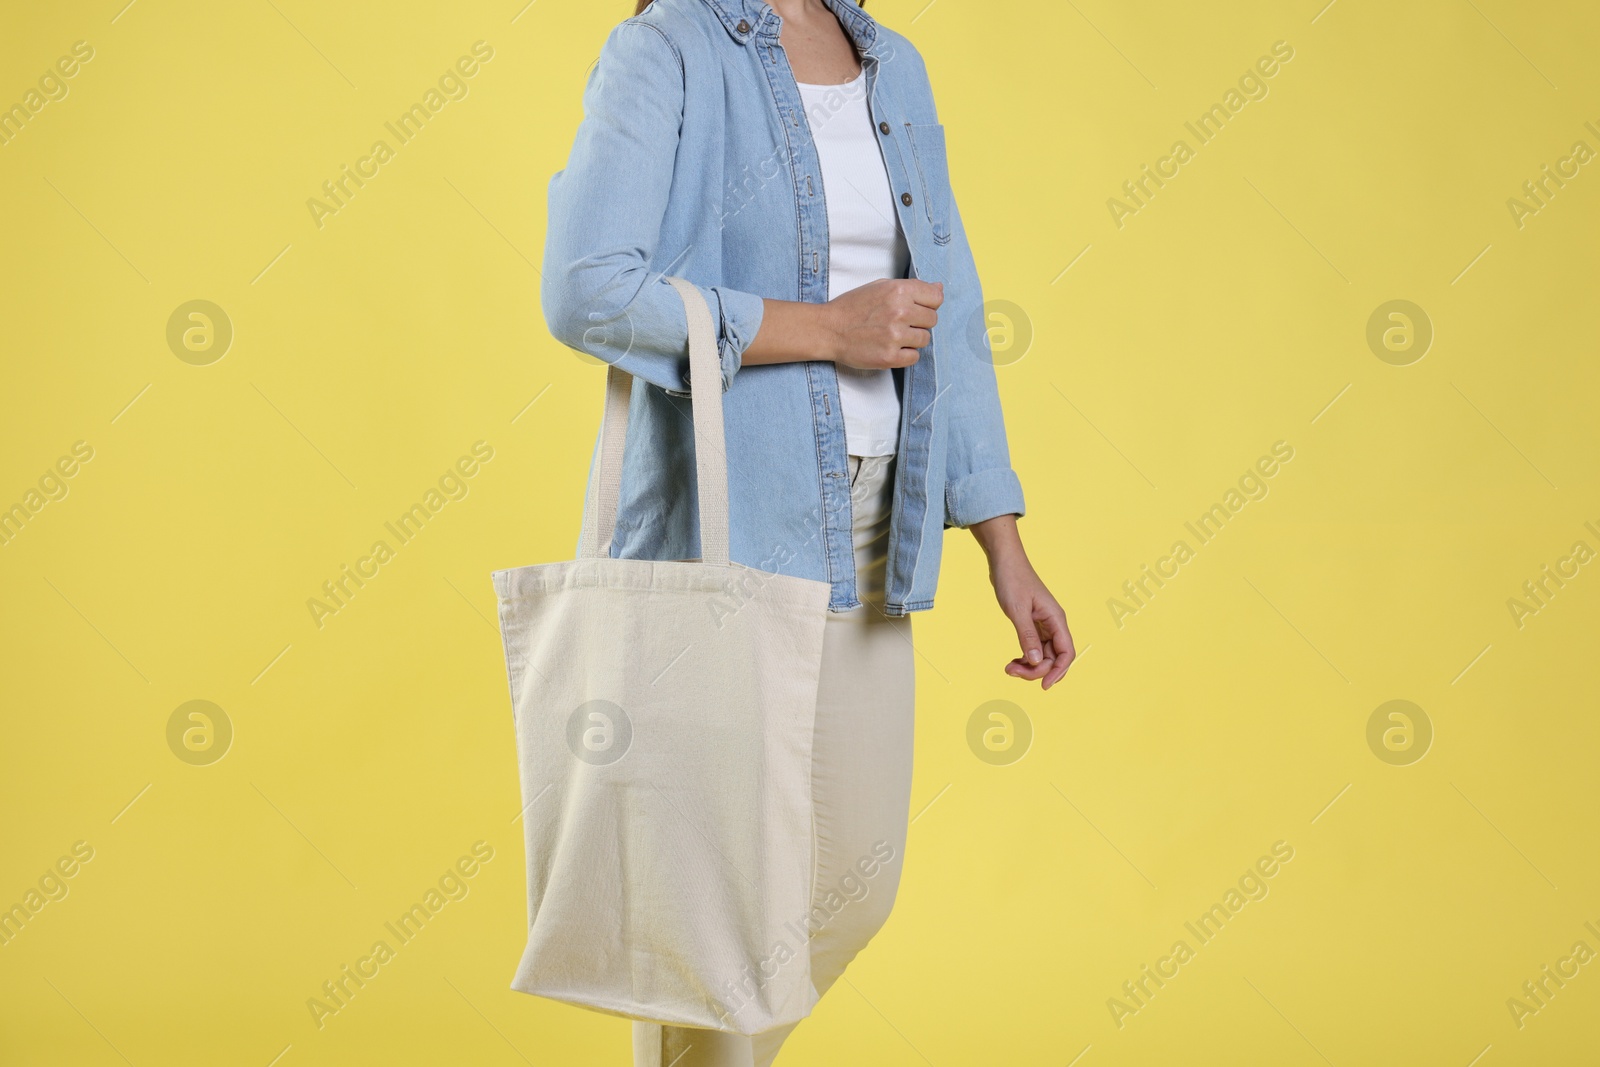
(1225, 715)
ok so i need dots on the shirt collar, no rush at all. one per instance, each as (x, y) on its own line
(757, 16)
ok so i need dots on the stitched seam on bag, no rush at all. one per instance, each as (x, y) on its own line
(515, 663)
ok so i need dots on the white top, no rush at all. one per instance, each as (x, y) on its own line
(865, 243)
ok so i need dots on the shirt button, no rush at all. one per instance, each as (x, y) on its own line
(883, 127)
(905, 198)
(743, 27)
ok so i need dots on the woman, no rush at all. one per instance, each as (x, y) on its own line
(787, 160)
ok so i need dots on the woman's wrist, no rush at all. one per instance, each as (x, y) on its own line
(828, 342)
(793, 331)
(1000, 541)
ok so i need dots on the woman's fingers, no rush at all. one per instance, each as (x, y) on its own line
(928, 294)
(1021, 616)
(1060, 644)
(1018, 669)
(1035, 661)
(1047, 649)
(1058, 668)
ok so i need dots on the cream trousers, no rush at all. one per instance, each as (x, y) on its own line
(860, 785)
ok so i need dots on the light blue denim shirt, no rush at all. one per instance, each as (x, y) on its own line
(695, 158)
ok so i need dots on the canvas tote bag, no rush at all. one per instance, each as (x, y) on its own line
(664, 712)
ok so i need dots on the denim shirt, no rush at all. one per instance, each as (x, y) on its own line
(695, 158)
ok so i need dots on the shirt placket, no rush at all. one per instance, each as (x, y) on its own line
(920, 391)
(805, 170)
(918, 395)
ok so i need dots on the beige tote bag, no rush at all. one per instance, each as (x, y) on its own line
(664, 712)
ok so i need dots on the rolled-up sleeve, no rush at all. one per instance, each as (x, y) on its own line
(979, 481)
(598, 293)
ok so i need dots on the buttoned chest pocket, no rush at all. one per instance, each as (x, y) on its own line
(927, 150)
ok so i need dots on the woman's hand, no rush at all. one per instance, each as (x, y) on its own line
(883, 323)
(1042, 633)
(880, 325)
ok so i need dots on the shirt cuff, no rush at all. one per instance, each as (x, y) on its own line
(739, 316)
(982, 495)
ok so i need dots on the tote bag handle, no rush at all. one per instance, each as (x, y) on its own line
(710, 449)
